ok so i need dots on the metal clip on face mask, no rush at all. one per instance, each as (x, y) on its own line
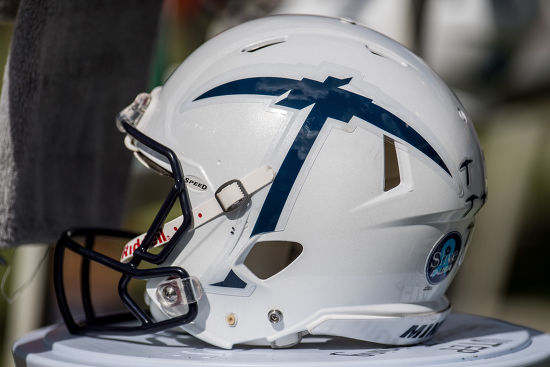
(177, 294)
(188, 291)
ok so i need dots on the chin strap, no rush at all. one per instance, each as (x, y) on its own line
(229, 196)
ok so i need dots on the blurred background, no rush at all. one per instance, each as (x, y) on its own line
(496, 57)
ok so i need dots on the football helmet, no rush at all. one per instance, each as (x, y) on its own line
(308, 139)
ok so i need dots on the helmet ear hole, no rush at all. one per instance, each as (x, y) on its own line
(268, 258)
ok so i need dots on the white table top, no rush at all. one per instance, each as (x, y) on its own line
(463, 340)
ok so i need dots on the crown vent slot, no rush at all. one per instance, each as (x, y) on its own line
(263, 44)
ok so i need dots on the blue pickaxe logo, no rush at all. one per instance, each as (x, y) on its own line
(328, 100)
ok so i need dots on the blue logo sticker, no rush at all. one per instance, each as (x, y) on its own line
(329, 100)
(443, 258)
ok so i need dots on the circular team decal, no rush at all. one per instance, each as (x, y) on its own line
(443, 258)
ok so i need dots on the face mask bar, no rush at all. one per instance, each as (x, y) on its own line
(103, 325)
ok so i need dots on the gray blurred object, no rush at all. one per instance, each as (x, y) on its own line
(234, 12)
(489, 51)
(8, 10)
(73, 65)
(372, 13)
(394, 18)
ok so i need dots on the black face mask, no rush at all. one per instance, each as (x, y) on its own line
(128, 271)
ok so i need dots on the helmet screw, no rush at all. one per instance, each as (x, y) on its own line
(169, 293)
(274, 316)
(231, 319)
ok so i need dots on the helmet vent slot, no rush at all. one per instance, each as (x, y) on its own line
(387, 55)
(268, 258)
(263, 44)
(391, 165)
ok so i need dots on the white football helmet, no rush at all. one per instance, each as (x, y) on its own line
(331, 183)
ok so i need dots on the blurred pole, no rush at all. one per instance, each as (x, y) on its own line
(511, 144)
(26, 310)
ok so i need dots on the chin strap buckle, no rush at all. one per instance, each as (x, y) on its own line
(231, 195)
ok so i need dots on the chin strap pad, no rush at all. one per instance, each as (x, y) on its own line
(230, 196)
